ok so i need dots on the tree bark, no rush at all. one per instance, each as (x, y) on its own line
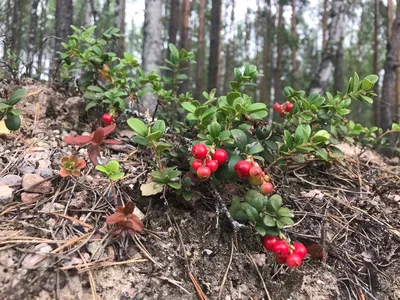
(120, 23)
(152, 46)
(278, 67)
(64, 19)
(389, 15)
(324, 22)
(388, 85)
(184, 42)
(32, 41)
(215, 46)
(325, 67)
(265, 85)
(173, 22)
(339, 68)
(200, 51)
(294, 44)
(88, 13)
(248, 34)
(230, 51)
(377, 103)
(42, 26)
(16, 26)
(397, 100)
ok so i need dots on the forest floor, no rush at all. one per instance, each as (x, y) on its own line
(54, 242)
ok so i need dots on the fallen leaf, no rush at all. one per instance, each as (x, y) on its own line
(151, 188)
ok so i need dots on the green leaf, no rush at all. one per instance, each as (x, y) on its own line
(255, 199)
(372, 78)
(116, 176)
(256, 148)
(214, 129)
(395, 126)
(174, 50)
(141, 140)
(189, 107)
(252, 214)
(240, 138)
(138, 126)
(322, 153)
(15, 112)
(274, 203)
(285, 212)
(286, 221)
(288, 139)
(367, 99)
(231, 97)
(272, 231)
(321, 136)
(112, 166)
(17, 96)
(4, 106)
(175, 185)
(90, 105)
(159, 125)
(12, 122)
(94, 88)
(261, 229)
(302, 134)
(102, 169)
(259, 115)
(269, 221)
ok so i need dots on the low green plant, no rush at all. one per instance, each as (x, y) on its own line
(111, 170)
(10, 114)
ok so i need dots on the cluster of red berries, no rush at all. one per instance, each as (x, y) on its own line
(283, 108)
(291, 255)
(204, 164)
(250, 169)
(107, 119)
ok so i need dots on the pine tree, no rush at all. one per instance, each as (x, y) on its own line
(215, 46)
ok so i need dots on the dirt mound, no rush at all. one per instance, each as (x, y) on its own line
(54, 244)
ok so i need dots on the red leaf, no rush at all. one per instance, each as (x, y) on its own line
(78, 140)
(317, 252)
(109, 129)
(81, 164)
(110, 141)
(119, 209)
(115, 218)
(98, 135)
(93, 152)
(135, 223)
(64, 172)
(129, 207)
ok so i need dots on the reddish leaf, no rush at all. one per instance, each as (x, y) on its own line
(94, 153)
(64, 172)
(98, 136)
(76, 172)
(129, 207)
(136, 223)
(115, 218)
(78, 140)
(119, 209)
(81, 164)
(110, 141)
(109, 129)
(317, 252)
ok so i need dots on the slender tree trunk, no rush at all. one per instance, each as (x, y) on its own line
(32, 36)
(120, 23)
(200, 51)
(42, 27)
(324, 22)
(64, 19)
(377, 103)
(389, 15)
(397, 101)
(325, 67)
(278, 67)
(265, 86)
(173, 22)
(88, 14)
(184, 42)
(230, 51)
(388, 86)
(215, 46)
(247, 38)
(294, 44)
(17, 26)
(339, 68)
(152, 46)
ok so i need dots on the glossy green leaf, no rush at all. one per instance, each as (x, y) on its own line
(17, 96)
(138, 126)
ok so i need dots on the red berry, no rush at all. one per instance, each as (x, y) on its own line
(197, 163)
(282, 112)
(277, 107)
(281, 259)
(199, 151)
(269, 242)
(221, 156)
(203, 172)
(293, 261)
(242, 169)
(212, 165)
(107, 119)
(300, 250)
(281, 248)
(289, 107)
(255, 172)
(267, 188)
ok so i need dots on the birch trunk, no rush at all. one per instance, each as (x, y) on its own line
(326, 67)
(215, 46)
(32, 41)
(152, 46)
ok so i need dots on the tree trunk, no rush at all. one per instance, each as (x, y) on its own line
(88, 13)
(215, 46)
(184, 42)
(152, 46)
(397, 100)
(248, 35)
(42, 26)
(377, 103)
(265, 85)
(120, 23)
(325, 67)
(230, 51)
(278, 70)
(294, 44)
(16, 26)
(388, 86)
(339, 68)
(64, 19)
(324, 22)
(389, 15)
(200, 51)
(173, 22)
(32, 36)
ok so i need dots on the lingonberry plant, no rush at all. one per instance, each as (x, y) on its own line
(125, 220)
(71, 166)
(9, 113)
